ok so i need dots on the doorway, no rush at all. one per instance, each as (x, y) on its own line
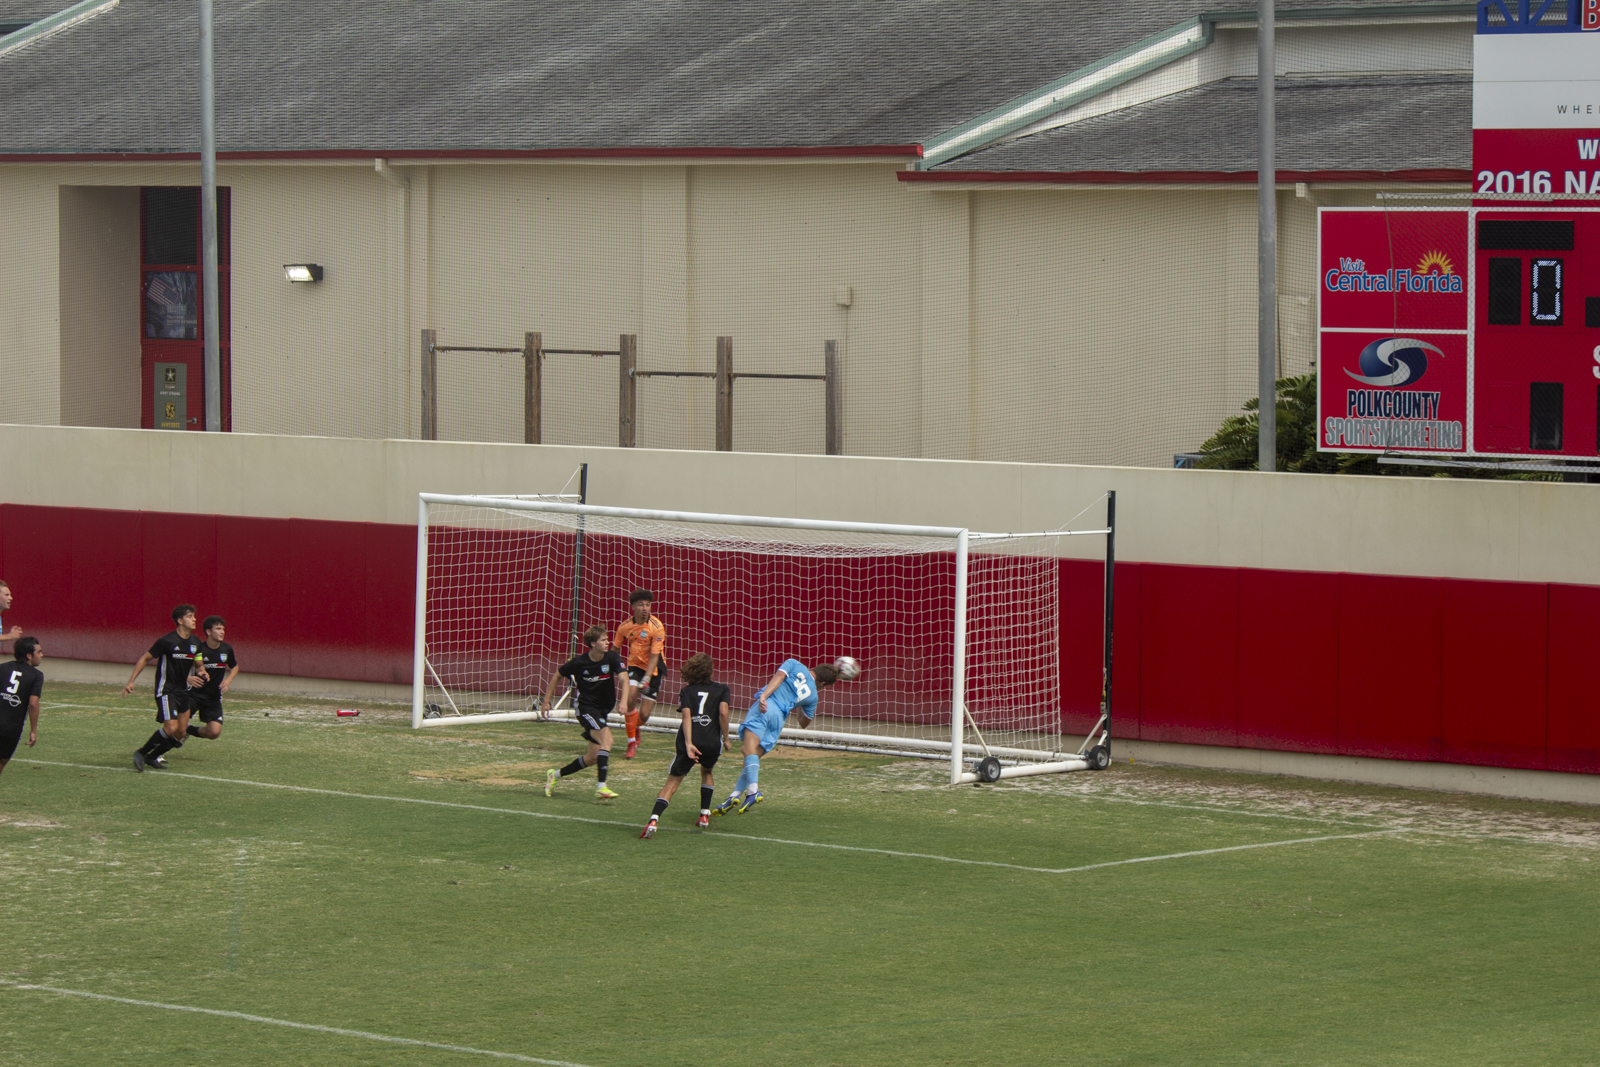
(172, 308)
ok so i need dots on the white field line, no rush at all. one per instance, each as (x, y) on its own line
(1087, 797)
(741, 837)
(364, 1035)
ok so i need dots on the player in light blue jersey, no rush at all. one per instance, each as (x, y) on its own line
(793, 686)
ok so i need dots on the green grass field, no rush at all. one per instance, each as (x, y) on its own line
(419, 888)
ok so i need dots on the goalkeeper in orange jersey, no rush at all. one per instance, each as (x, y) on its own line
(644, 638)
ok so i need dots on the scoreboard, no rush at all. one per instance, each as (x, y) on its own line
(1475, 330)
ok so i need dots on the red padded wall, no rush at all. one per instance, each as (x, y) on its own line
(1574, 693)
(1289, 660)
(1082, 638)
(1492, 673)
(327, 599)
(106, 614)
(1495, 673)
(318, 599)
(1389, 667)
(391, 557)
(1190, 653)
(180, 564)
(40, 553)
(253, 585)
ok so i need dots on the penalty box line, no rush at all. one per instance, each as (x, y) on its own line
(741, 837)
(339, 1031)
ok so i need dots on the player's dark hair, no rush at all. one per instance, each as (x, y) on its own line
(24, 647)
(593, 634)
(181, 610)
(638, 595)
(826, 674)
(697, 668)
(212, 620)
(4, 584)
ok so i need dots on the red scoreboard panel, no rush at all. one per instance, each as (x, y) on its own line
(1536, 333)
(1393, 367)
(1476, 330)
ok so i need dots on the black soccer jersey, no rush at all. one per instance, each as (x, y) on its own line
(18, 682)
(596, 680)
(174, 657)
(703, 702)
(219, 661)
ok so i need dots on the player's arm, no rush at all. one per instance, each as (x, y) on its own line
(727, 739)
(772, 687)
(688, 733)
(33, 719)
(550, 692)
(227, 679)
(11, 634)
(144, 661)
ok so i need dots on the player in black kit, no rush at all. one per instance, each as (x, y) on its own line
(218, 665)
(174, 657)
(594, 677)
(704, 707)
(21, 686)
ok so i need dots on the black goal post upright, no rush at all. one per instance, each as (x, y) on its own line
(577, 564)
(1110, 583)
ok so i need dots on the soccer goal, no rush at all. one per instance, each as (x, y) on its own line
(956, 630)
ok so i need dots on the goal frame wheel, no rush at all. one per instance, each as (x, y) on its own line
(1098, 757)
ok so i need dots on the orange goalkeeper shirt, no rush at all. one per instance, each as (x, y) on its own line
(642, 640)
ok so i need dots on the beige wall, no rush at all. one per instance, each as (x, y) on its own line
(1528, 531)
(99, 294)
(1048, 325)
(30, 334)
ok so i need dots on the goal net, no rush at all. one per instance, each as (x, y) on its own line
(956, 631)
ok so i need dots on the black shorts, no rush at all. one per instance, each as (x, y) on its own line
(682, 764)
(636, 679)
(9, 736)
(170, 705)
(208, 710)
(592, 724)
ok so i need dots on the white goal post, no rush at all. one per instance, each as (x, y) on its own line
(956, 630)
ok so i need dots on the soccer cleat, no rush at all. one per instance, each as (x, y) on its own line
(138, 762)
(649, 829)
(158, 762)
(702, 822)
(633, 748)
(750, 801)
(727, 807)
(605, 792)
(550, 780)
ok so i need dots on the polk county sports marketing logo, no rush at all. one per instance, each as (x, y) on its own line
(1432, 274)
(1385, 416)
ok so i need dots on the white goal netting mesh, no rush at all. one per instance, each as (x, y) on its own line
(508, 591)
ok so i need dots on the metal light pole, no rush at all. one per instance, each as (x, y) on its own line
(208, 227)
(1267, 240)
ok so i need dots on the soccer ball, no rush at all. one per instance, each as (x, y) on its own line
(849, 668)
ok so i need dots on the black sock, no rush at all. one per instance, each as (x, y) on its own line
(150, 746)
(661, 806)
(573, 768)
(707, 792)
(601, 759)
(167, 743)
(193, 730)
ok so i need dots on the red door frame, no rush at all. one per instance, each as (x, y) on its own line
(190, 353)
